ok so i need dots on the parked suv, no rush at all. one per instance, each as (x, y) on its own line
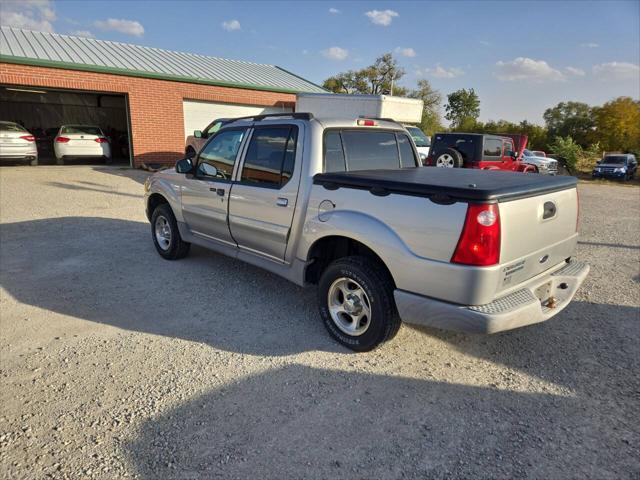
(620, 165)
(345, 205)
(477, 150)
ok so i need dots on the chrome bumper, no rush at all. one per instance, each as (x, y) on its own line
(520, 308)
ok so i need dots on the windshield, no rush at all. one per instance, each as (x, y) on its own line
(419, 138)
(615, 160)
(529, 153)
(81, 130)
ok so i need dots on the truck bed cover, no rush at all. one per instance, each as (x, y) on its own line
(448, 184)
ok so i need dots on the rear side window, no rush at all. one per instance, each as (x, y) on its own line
(407, 158)
(270, 158)
(333, 153)
(492, 147)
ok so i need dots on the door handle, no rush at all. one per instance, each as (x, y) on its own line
(282, 202)
(219, 191)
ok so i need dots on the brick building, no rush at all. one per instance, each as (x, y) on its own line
(146, 99)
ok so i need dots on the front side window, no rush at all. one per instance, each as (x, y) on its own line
(270, 158)
(492, 147)
(370, 150)
(220, 153)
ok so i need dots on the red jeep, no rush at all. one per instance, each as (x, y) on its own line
(478, 150)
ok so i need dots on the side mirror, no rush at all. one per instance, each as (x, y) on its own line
(197, 133)
(184, 166)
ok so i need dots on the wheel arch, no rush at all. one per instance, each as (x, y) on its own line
(329, 248)
(153, 202)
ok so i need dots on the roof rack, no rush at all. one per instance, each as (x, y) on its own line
(294, 115)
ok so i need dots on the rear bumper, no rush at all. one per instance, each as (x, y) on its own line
(520, 308)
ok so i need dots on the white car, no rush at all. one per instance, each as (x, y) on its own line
(423, 143)
(544, 165)
(81, 141)
(16, 143)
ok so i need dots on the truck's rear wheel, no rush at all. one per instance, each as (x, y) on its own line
(166, 236)
(355, 296)
(449, 158)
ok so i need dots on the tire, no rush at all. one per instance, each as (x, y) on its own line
(175, 248)
(34, 163)
(449, 158)
(372, 297)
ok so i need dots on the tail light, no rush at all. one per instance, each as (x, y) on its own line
(62, 139)
(101, 140)
(479, 242)
(367, 123)
(28, 138)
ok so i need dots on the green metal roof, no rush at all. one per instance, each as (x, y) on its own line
(28, 47)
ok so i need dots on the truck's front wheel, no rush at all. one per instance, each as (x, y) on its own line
(165, 233)
(355, 295)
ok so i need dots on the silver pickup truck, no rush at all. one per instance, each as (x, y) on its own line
(344, 204)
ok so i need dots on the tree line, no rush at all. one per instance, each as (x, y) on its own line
(574, 130)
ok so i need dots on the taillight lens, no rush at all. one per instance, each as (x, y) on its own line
(28, 138)
(479, 242)
(62, 139)
(367, 123)
(101, 140)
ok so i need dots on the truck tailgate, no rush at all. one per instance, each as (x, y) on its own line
(537, 233)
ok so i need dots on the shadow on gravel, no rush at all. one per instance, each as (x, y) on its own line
(613, 245)
(302, 422)
(92, 187)
(107, 270)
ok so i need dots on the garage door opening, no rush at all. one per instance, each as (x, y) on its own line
(43, 112)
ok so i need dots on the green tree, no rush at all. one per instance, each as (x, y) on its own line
(573, 119)
(462, 109)
(431, 121)
(568, 150)
(377, 79)
(618, 125)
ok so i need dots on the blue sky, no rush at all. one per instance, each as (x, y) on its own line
(521, 57)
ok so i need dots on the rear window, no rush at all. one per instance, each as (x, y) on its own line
(361, 150)
(11, 127)
(81, 130)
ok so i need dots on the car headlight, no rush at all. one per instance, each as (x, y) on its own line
(620, 170)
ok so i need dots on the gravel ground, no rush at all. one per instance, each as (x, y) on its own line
(116, 363)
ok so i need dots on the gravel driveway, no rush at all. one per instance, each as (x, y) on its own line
(116, 363)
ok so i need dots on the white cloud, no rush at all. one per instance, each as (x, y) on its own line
(231, 25)
(405, 52)
(83, 33)
(578, 72)
(381, 17)
(589, 45)
(29, 14)
(128, 27)
(441, 72)
(334, 11)
(486, 43)
(617, 71)
(335, 53)
(523, 68)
